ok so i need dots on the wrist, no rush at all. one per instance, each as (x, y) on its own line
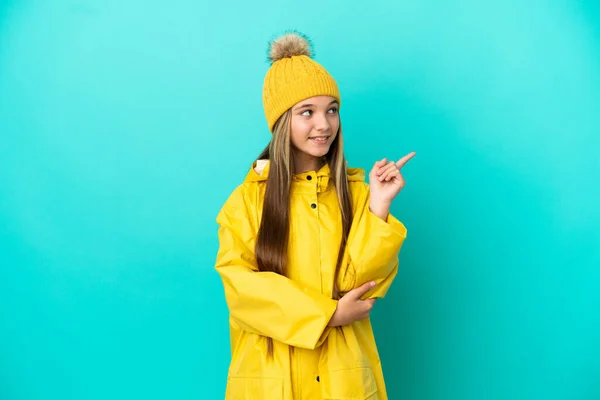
(380, 208)
(333, 321)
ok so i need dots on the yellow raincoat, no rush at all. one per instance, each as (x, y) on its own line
(311, 360)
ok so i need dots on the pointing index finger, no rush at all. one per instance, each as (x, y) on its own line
(401, 162)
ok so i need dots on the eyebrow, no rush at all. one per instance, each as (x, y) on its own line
(312, 105)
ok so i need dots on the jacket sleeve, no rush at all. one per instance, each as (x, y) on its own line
(265, 303)
(373, 248)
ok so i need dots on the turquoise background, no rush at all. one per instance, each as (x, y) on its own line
(125, 125)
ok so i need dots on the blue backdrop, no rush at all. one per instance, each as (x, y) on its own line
(125, 125)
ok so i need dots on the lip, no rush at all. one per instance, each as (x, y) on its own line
(321, 143)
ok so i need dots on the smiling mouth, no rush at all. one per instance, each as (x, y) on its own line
(319, 139)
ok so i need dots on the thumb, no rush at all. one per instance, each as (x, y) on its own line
(375, 170)
(361, 290)
(381, 163)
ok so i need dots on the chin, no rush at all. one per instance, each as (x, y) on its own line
(319, 153)
(315, 151)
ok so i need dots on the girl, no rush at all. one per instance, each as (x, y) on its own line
(306, 247)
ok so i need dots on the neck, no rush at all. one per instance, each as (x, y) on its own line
(304, 163)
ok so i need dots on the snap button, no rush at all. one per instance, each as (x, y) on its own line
(313, 205)
(309, 177)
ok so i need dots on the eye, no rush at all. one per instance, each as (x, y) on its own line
(306, 113)
(333, 110)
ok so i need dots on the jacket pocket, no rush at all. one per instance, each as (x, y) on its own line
(351, 383)
(254, 388)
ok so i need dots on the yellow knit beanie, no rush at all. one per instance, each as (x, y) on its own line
(293, 76)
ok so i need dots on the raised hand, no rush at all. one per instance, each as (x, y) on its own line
(386, 180)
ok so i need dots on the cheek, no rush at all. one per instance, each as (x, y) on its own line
(300, 130)
(334, 122)
(335, 126)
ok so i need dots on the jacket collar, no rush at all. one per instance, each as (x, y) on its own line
(259, 172)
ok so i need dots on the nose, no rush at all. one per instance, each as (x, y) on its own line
(322, 123)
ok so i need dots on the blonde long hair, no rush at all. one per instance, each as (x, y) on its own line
(273, 234)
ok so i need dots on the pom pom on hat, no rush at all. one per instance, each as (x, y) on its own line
(289, 45)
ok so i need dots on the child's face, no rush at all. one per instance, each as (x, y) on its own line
(315, 124)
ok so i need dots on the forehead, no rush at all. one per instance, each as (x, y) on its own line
(316, 101)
